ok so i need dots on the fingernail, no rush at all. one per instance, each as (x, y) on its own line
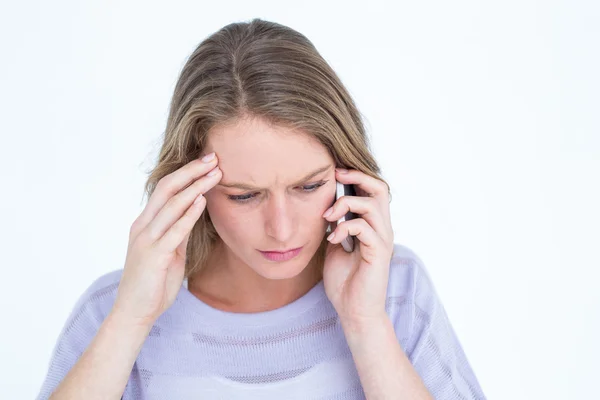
(331, 236)
(208, 157)
(328, 212)
(213, 172)
(342, 170)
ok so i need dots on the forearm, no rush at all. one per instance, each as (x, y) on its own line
(104, 367)
(385, 371)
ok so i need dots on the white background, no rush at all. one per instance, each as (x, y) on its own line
(483, 115)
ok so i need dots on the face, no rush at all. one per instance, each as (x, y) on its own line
(282, 203)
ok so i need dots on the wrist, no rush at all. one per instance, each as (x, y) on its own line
(121, 321)
(356, 328)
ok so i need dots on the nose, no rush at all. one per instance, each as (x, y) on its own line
(280, 220)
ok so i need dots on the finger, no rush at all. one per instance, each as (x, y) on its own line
(169, 186)
(177, 205)
(362, 230)
(367, 208)
(371, 186)
(177, 236)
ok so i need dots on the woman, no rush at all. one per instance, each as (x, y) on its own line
(205, 306)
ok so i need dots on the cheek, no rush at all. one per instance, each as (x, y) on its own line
(328, 198)
(213, 207)
(218, 211)
(227, 221)
(315, 209)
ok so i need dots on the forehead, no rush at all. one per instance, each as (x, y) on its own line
(256, 152)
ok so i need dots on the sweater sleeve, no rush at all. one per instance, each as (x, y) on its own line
(433, 347)
(78, 331)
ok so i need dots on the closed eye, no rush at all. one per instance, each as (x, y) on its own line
(245, 198)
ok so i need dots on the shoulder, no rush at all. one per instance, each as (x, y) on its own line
(98, 297)
(411, 299)
(408, 275)
(102, 286)
(424, 329)
(91, 308)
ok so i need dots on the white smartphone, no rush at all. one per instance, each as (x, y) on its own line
(346, 190)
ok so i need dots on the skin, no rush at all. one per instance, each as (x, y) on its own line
(285, 212)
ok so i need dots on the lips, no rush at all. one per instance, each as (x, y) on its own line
(281, 256)
(278, 251)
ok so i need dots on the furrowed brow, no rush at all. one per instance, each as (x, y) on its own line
(243, 186)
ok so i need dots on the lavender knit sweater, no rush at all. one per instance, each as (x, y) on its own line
(298, 351)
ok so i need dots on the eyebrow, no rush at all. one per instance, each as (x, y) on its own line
(244, 186)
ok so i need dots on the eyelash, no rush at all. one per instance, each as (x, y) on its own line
(245, 199)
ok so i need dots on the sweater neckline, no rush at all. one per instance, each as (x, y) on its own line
(262, 318)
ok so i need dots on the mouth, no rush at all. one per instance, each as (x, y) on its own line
(281, 255)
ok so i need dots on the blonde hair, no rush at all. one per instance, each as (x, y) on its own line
(260, 69)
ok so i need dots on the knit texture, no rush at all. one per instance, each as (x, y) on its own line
(298, 351)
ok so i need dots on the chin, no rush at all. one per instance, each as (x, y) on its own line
(286, 270)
